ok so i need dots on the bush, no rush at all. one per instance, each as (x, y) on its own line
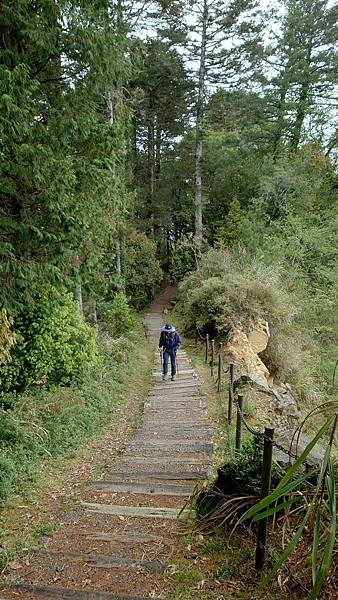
(233, 289)
(119, 315)
(241, 477)
(53, 344)
(226, 291)
(143, 274)
(46, 423)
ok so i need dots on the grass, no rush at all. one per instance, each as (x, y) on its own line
(73, 421)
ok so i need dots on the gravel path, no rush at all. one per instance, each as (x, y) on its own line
(118, 543)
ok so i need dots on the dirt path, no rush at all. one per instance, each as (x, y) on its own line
(118, 543)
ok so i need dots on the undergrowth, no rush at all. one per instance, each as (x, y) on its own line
(40, 425)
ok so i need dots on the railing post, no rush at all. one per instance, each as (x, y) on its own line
(265, 490)
(206, 348)
(220, 367)
(231, 391)
(239, 423)
(212, 358)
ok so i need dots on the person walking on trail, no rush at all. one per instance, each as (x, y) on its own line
(168, 345)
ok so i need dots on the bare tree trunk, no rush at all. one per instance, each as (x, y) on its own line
(151, 166)
(300, 115)
(277, 137)
(93, 314)
(303, 101)
(78, 287)
(118, 266)
(198, 134)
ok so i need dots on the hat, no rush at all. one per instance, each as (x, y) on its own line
(168, 328)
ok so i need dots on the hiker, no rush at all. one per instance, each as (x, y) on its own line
(169, 342)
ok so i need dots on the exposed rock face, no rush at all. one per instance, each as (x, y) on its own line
(245, 355)
(259, 335)
(250, 370)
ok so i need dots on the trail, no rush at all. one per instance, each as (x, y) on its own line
(118, 543)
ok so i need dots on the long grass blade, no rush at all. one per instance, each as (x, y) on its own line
(276, 494)
(331, 539)
(277, 508)
(290, 548)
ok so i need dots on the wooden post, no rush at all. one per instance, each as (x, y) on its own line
(212, 358)
(196, 338)
(206, 348)
(220, 367)
(231, 391)
(265, 490)
(239, 423)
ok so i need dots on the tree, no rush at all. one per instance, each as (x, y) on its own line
(62, 164)
(305, 59)
(217, 22)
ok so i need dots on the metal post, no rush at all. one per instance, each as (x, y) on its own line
(220, 367)
(212, 358)
(206, 348)
(239, 423)
(265, 490)
(231, 391)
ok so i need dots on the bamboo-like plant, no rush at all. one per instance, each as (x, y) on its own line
(319, 504)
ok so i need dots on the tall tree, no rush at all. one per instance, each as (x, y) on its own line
(220, 40)
(305, 58)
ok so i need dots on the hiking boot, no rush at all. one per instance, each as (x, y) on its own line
(164, 377)
(173, 377)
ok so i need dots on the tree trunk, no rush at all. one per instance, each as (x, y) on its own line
(300, 115)
(93, 314)
(277, 137)
(118, 266)
(302, 102)
(78, 286)
(199, 133)
(151, 164)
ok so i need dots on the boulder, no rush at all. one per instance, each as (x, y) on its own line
(259, 335)
(246, 359)
(289, 442)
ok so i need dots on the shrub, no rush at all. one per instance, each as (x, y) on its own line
(226, 290)
(53, 344)
(119, 315)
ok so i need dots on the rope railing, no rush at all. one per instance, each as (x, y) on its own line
(266, 435)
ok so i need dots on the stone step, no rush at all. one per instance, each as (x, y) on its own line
(164, 460)
(104, 562)
(119, 477)
(174, 445)
(42, 592)
(145, 512)
(129, 538)
(144, 488)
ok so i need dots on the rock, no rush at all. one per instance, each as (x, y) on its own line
(259, 335)
(247, 359)
(284, 404)
(315, 457)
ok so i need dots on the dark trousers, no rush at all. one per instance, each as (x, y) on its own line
(172, 356)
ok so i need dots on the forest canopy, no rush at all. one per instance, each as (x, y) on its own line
(137, 136)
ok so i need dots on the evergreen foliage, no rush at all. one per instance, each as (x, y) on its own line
(53, 344)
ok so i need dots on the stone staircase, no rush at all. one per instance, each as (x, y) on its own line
(118, 543)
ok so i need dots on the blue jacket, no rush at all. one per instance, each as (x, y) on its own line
(169, 343)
